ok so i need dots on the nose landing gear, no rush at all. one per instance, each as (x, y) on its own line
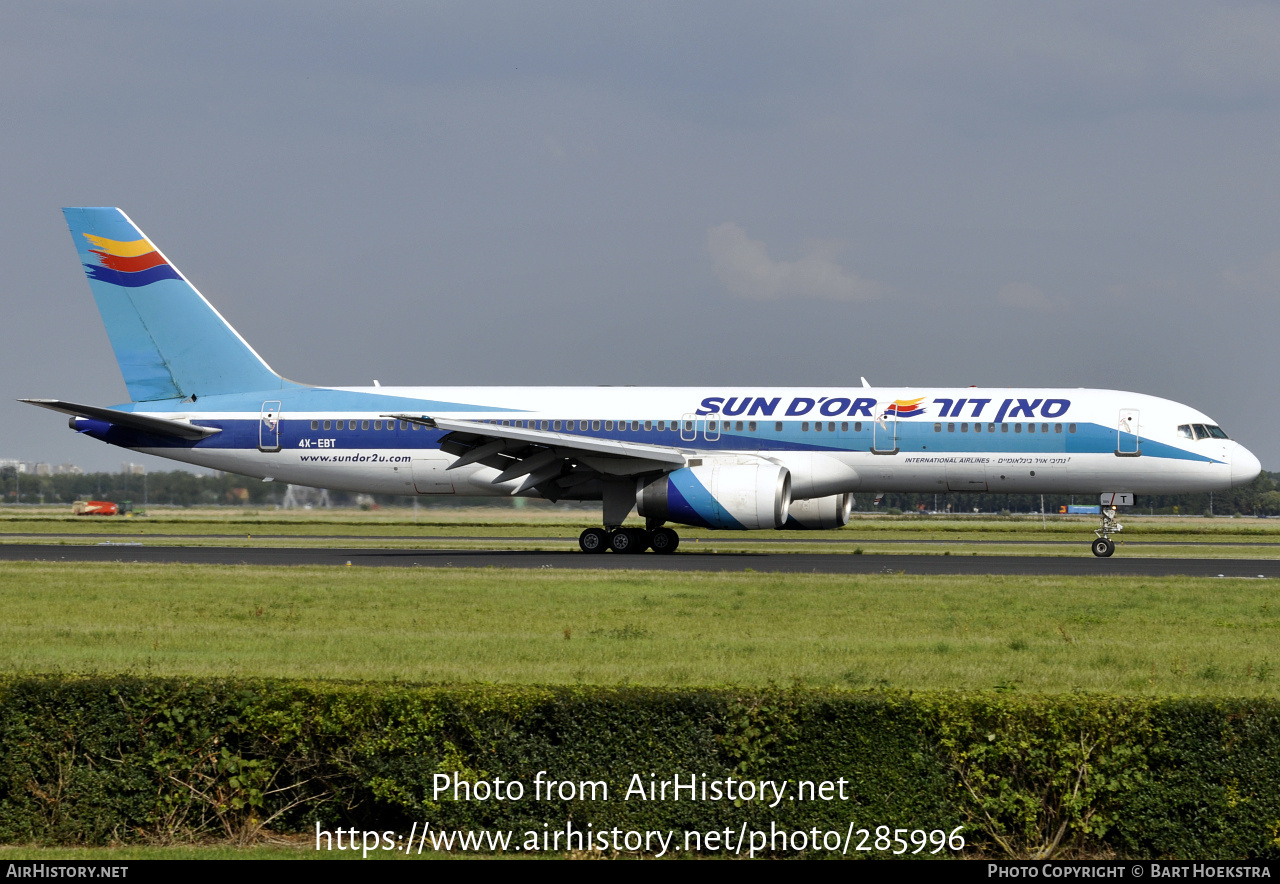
(1104, 546)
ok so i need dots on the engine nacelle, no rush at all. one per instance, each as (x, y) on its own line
(733, 496)
(820, 513)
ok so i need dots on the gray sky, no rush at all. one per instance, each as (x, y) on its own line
(650, 193)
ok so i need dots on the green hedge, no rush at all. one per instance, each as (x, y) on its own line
(96, 760)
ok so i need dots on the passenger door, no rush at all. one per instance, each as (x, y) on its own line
(884, 434)
(1128, 434)
(269, 426)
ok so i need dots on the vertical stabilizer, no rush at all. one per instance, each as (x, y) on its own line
(169, 341)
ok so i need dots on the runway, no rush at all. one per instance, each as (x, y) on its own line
(791, 563)
(789, 538)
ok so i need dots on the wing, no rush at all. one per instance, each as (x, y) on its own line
(157, 426)
(550, 462)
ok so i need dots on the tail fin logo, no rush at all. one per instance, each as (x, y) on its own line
(130, 264)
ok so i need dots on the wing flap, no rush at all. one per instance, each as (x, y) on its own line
(656, 456)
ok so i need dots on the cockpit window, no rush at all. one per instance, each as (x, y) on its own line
(1217, 432)
(1201, 431)
(1185, 431)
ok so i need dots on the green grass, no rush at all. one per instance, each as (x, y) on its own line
(1133, 636)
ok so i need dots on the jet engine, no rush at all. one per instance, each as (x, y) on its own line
(733, 496)
(820, 513)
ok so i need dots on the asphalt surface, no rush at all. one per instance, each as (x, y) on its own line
(797, 537)
(791, 563)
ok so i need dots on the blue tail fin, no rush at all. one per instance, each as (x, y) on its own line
(168, 339)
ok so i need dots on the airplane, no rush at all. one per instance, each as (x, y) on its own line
(732, 458)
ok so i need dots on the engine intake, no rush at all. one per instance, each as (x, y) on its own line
(733, 496)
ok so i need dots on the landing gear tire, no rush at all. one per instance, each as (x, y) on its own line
(593, 540)
(628, 540)
(1103, 547)
(664, 541)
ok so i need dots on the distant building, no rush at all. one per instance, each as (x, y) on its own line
(44, 469)
(67, 469)
(133, 469)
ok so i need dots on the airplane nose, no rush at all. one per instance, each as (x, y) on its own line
(1244, 467)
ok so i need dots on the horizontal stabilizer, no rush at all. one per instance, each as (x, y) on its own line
(158, 426)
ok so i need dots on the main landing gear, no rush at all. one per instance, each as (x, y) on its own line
(629, 540)
(1104, 546)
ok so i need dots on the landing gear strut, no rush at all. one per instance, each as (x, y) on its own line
(628, 540)
(1104, 546)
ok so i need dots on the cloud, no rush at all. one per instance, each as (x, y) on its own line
(744, 266)
(1024, 297)
(1261, 278)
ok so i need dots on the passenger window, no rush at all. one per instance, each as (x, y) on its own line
(1071, 428)
(1044, 428)
(804, 427)
(751, 426)
(1017, 428)
(688, 426)
(951, 428)
(711, 425)
(416, 426)
(964, 428)
(648, 426)
(377, 425)
(991, 428)
(857, 426)
(315, 425)
(339, 425)
(1057, 428)
(817, 426)
(1031, 428)
(831, 426)
(595, 425)
(777, 427)
(364, 425)
(977, 428)
(738, 425)
(1217, 432)
(844, 426)
(608, 425)
(328, 424)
